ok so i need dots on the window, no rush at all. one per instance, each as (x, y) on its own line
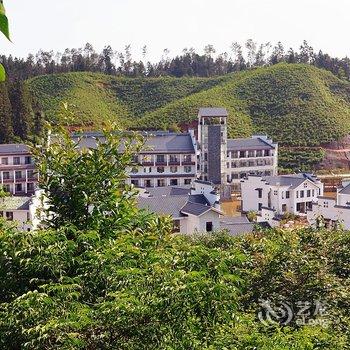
(234, 154)
(305, 185)
(18, 175)
(205, 157)
(173, 182)
(7, 188)
(301, 194)
(284, 208)
(187, 169)
(325, 204)
(9, 215)
(275, 193)
(173, 169)
(148, 183)
(308, 193)
(16, 160)
(161, 183)
(30, 174)
(209, 226)
(174, 159)
(160, 169)
(259, 153)
(135, 183)
(4, 161)
(134, 170)
(251, 154)
(228, 165)
(160, 158)
(28, 160)
(147, 170)
(30, 186)
(259, 192)
(135, 159)
(242, 154)
(287, 194)
(176, 226)
(267, 153)
(234, 164)
(313, 193)
(18, 188)
(234, 176)
(6, 175)
(260, 205)
(187, 158)
(187, 181)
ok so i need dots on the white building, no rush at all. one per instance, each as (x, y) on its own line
(280, 194)
(194, 210)
(17, 170)
(332, 211)
(22, 211)
(257, 155)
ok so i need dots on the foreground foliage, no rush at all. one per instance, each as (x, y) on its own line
(70, 289)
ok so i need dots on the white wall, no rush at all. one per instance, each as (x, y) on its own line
(250, 200)
(329, 210)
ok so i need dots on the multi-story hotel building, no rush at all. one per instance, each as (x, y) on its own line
(167, 159)
(17, 169)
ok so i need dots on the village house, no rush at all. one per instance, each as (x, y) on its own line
(277, 195)
(332, 211)
(22, 211)
(17, 170)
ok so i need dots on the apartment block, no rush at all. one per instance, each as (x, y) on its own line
(17, 170)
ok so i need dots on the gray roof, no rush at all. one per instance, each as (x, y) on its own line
(174, 201)
(16, 148)
(168, 191)
(236, 225)
(14, 203)
(253, 143)
(213, 112)
(168, 205)
(156, 142)
(345, 190)
(292, 181)
(196, 209)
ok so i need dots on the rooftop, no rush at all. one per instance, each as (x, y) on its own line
(14, 148)
(213, 112)
(156, 142)
(14, 203)
(292, 181)
(236, 225)
(252, 143)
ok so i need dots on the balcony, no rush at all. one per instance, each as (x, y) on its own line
(148, 163)
(175, 162)
(161, 163)
(188, 163)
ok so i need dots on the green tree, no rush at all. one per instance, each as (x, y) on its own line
(86, 187)
(6, 129)
(22, 116)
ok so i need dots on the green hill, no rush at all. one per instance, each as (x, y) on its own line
(297, 105)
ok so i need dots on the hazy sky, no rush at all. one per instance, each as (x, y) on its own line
(159, 24)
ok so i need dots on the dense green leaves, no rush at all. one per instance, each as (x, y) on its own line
(143, 290)
(4, 23)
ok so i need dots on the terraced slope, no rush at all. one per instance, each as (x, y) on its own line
(297, 105)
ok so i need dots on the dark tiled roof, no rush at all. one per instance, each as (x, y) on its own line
(236, 225)
(168, 205)
(293, 181)
(254, 143)
(174, 201)
(196, 209)
(156, 142)
(213, 112)
(168, 191)
(17, 148)
(345, 190)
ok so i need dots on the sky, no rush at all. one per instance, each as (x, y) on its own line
(159, 24)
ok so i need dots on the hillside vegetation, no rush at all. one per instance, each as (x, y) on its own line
(297, 105)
